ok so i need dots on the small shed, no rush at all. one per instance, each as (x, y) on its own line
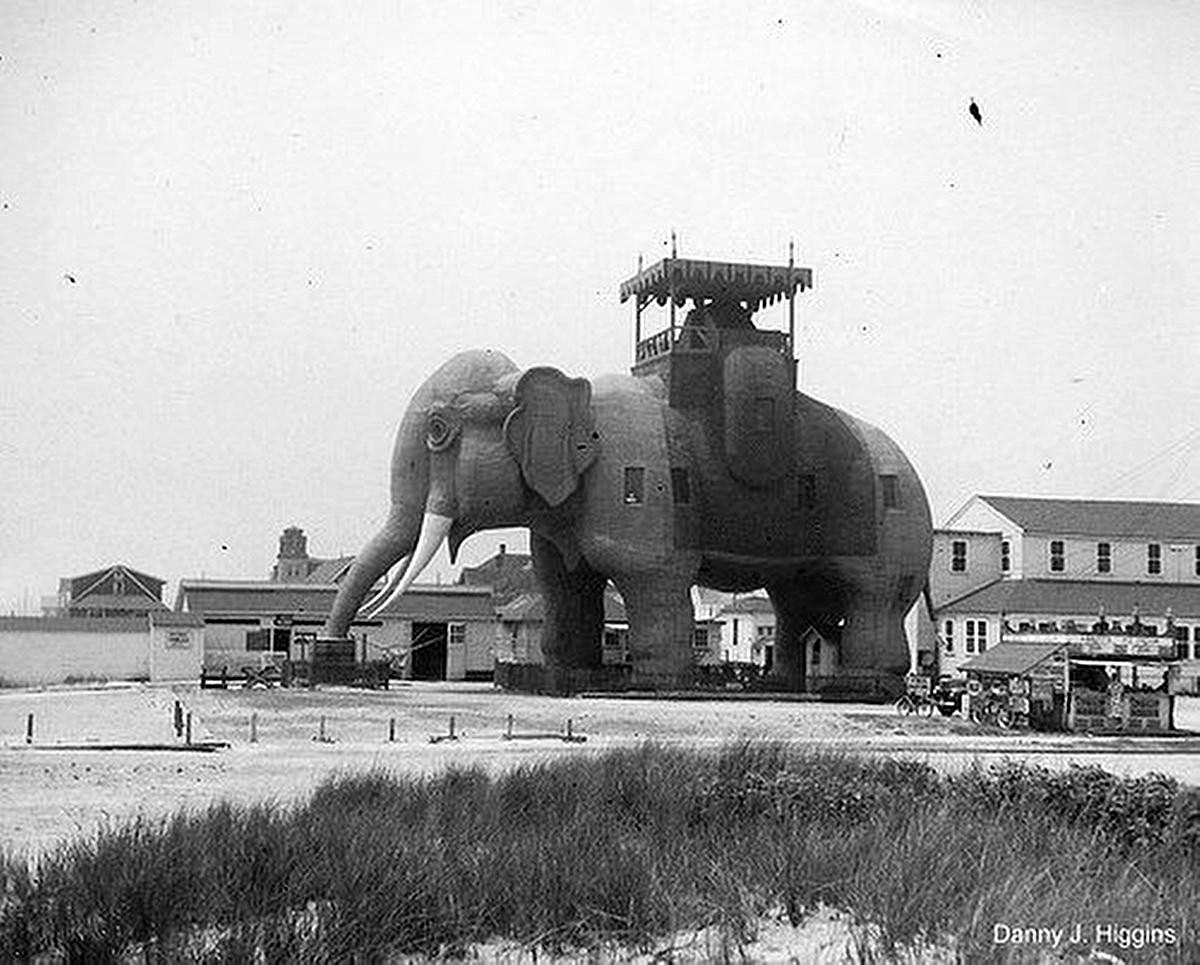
(1031, 678)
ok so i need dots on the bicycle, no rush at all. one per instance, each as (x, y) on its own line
(917, 704)
(994, 711)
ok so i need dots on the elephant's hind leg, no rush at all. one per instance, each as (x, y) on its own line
(792, 621)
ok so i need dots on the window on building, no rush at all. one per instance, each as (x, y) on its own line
(1197, 567)
(970, 636)
(976, 636)
(808, 498)
(816, 652)
(258, 639)
(891, 491)
(766, 630)
(1005, 556)
(119, 584)
(1058, 556)
(1103, 557)
(958, 556)
(635, 483)
(456, 634)
(1154, 558)
(948, 636)
(699, 638)
(681, 488)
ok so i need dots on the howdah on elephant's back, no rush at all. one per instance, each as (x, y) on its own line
(704, 465)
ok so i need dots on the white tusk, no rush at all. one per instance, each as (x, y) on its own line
(368, 609)
(433, 533)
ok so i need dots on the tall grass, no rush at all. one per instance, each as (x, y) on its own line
(624, 848)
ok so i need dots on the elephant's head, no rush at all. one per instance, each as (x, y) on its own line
(482, 445)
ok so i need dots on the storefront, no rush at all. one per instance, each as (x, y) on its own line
(1019, 685)
(1095, 682)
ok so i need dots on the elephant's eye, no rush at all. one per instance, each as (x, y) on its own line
(439, 432)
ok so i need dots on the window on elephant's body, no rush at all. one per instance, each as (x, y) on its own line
(635, 481)
(808, 491)
(890, 485)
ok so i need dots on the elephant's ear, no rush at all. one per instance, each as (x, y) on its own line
(551, 432)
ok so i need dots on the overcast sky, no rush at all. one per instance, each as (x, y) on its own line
(234, 238)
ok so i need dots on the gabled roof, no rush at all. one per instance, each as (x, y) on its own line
(80, 586)
(1014, 658)
(1100, 517)
(1067, 597)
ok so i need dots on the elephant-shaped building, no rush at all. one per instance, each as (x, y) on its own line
(703, 466)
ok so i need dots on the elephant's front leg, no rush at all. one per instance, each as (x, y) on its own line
(661, 624)
(573, 631)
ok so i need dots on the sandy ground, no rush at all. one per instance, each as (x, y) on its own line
(49, 794)
(63, 785)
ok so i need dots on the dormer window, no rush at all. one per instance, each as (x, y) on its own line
(958, 556)
(1058, 556)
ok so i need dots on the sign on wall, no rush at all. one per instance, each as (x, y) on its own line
(179, 640)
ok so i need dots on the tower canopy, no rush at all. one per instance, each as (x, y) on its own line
(679, 279)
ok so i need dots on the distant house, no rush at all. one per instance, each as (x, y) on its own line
(115, 591)
(520, 621)
(508, 574)
(294, 565)
(747, 630)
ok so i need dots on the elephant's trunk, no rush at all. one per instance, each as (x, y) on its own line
(395, 539)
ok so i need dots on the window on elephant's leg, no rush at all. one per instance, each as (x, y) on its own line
(635, 481)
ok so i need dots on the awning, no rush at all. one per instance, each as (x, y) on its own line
(689, 278)
(1012, 658)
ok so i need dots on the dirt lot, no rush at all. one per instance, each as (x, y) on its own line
(49, 793)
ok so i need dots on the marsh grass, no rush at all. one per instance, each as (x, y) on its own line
(623, 849)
